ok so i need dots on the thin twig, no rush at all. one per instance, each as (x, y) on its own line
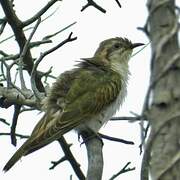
(118, 3)
(39, 13)
(125, 118)
(23, 55)
(92, 3)
(17, 27)
(123, 170)
(27, 29)
(38, 43)
(94, 147)
(18, 135)
(33, 73)
(61, 30)
(3, 53)
(4, 121)
(115, 139)
(68, 154)
(10, 57)
(17, 109)
(55, 163)
(15, 97)
(143, 137)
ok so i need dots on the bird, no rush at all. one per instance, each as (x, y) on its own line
(83, 98)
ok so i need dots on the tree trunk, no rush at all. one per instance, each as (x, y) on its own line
(163, 148)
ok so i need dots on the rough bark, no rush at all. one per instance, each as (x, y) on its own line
(162, 154)
(94, 147)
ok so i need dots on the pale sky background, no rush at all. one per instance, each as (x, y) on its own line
(91, 28)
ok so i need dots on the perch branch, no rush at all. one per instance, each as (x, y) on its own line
(94, 147)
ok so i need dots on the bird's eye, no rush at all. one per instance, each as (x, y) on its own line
(117, 46)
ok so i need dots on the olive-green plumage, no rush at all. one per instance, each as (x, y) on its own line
(84, 97)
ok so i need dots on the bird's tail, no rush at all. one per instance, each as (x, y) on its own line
(18, 154)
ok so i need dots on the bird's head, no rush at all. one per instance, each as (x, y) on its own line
(115, 52)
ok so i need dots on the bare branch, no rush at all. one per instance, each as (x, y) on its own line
(115, 139)
(4, 121)
(25, 109)
(118, 3)
(92, 3)
(3, 23)
(129, 118)
(68, 154)
(9, 57)
(17, 109)
(39, 13)
(56, 33)
(17, 27)
(123, 170)
(38, 43)
(15, 97)
(3, 53)
(18, 135)
(144, 133)
(27, 29)
(33, 85)
(7, 77)
(23, 55)
(94, 146)
(55, 163)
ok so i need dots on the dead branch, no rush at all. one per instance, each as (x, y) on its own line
(61, 30)
(94, 147)
(129, 118)
(18, 135)
(13, 96)
(17, 27)
(115, 139)
(17, 109)
(4, 121)
(123, 170)
(23, 55)
(118, 3)
(94, 4)
(39, 13)
(55, 163)
(3, 23)
(68, 154)
(33, 74)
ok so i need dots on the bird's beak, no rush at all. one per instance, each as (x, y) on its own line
(136, 45)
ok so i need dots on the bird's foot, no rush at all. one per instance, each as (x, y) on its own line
(89, 135)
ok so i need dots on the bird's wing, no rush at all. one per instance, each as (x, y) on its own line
(88, 94)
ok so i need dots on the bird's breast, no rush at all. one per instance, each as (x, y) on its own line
(98, 120)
